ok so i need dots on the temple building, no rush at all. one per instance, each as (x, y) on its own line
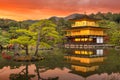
(84, 31)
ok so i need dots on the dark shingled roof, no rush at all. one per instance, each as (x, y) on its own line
(81, 27)
(84, 17)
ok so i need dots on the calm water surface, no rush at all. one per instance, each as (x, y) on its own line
(70, 64)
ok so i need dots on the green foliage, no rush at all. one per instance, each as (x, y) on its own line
(24, 40)
(12, 32)
(25, 32)
(25, 24)
(113, 31)
(107, 16)
(61, 24)
(99, 15)
(115, 38)
(4, 40)
(51, 30)
(24, 37)
(5, 24)
(48, 34)
(43, 44)
(112, 26)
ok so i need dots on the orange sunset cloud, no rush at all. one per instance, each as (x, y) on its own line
(39, 9)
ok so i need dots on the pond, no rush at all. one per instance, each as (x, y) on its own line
(65, 64)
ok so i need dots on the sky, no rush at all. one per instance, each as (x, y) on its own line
(41, 9)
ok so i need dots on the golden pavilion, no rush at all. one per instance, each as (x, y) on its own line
(84, 31)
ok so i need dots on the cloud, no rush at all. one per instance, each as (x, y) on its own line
(58, 7)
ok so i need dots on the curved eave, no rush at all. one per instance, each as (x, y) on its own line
(74, 36)
(83, 74)
(84, 27)
(84, 19)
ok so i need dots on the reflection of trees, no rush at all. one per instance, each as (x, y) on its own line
(23, 75)
(40, 78)
(112, 63)
(51, 62)
(53, 59)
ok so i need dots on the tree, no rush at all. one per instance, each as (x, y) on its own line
(116, 17)
(3, 39)
(5, 24)
(109, 16)
(24, 38)
(61, 24)
(12, 32)
(46, 34)
(100, 15)
(112, 31)
(115, 38)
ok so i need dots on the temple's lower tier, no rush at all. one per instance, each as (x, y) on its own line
(86, 40)
(83, 45)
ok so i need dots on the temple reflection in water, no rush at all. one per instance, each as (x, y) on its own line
(67, 64)
(84, 61)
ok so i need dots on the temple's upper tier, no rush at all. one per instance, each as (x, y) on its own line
(84, 20)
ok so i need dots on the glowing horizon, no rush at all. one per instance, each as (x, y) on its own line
(40, 9)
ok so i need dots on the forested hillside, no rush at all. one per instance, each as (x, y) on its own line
(109, 20)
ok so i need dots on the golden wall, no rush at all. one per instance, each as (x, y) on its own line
(84, 69)
(85, 60)
(98, 32)
(84, 23)
(84, 52)
(85, 32)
